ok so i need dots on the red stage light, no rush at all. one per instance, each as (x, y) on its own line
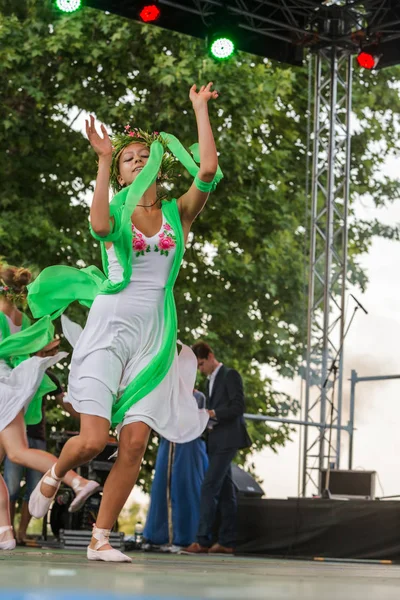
(366, 60)
(149, 13)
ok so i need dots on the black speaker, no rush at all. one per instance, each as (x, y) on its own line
(246, 486)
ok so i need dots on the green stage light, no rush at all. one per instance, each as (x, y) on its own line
(221, 47)
(68, 6)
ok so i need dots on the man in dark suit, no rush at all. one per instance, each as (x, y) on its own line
(226, 434)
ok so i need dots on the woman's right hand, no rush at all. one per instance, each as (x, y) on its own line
(101, 145)
(50, 349)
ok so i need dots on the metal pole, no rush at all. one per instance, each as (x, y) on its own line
(377, 378)
(354, 380)
(351, 420)
(314, 205)
(251, 417)
(328, 248)
(346, 198)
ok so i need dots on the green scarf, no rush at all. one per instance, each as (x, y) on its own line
(15, 348)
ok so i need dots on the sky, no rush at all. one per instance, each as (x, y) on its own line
(371, 348)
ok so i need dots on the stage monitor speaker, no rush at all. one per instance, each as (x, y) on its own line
(78, 540)
(350, 484)
(245, 485)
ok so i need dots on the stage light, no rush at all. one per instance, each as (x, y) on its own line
(68, 6)
(367, 60)
(221, 42)
(222, 47)
(150, 13)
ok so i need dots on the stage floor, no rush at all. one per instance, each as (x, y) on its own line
(30, 574)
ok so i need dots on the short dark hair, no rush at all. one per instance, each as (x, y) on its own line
(202, 350)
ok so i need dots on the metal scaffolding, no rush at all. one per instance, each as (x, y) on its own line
(354, 380)
(280, 29)
(328, 260)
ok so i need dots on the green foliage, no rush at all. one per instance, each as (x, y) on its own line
(129, 517)
(242, 282)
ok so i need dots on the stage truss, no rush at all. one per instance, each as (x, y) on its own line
(328, 261)
(282, 29)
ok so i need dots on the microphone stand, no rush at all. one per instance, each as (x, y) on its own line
(326, 494)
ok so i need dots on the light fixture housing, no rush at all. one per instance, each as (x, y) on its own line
(68, 6)
(366, 60)
(221, 43)
(222, 47)
(149, 12)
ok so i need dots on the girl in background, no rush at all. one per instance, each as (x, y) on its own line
(23, 383)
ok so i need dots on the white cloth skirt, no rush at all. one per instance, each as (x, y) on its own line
(18, 386)
(122, 334)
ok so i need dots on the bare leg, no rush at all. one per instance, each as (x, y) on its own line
(132, 446)
(25, 520)
(12, 511)
(13, 439)
(5, 519)
(92, 438)
(81, 448)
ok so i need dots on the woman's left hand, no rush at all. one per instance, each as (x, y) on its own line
(201, 97)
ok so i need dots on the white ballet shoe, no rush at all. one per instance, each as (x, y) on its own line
(8, 544)
(38, 503)
(102, 537)
(83, 492)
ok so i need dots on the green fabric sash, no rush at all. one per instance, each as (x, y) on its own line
(15, 348)
(159, 366)
(58, 286)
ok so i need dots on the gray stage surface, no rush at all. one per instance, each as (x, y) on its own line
(31, 574)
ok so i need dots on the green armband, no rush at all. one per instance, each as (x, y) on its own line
(203, 186)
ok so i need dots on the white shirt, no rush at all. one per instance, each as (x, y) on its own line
(211, 378)
(13, 328)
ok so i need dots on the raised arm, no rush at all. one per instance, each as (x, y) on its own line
(191, 203)
(100, 209)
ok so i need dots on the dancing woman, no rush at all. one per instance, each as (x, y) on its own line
(125, 368)
(23, 383)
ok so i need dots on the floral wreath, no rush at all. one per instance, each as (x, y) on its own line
(130, 136)
(18, 298)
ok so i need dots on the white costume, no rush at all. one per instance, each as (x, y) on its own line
(123, 333)
(19, 385)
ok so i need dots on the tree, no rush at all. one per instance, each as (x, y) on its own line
(242, 282)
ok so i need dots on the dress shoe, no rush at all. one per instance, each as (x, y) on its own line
(218, 549)
(194, 548)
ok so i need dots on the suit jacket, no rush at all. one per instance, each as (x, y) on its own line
(227, 400)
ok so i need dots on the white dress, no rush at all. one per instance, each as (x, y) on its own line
(18, 386)
(123, 333)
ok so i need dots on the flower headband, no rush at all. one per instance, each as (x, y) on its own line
(17, 298)
(131, 136)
